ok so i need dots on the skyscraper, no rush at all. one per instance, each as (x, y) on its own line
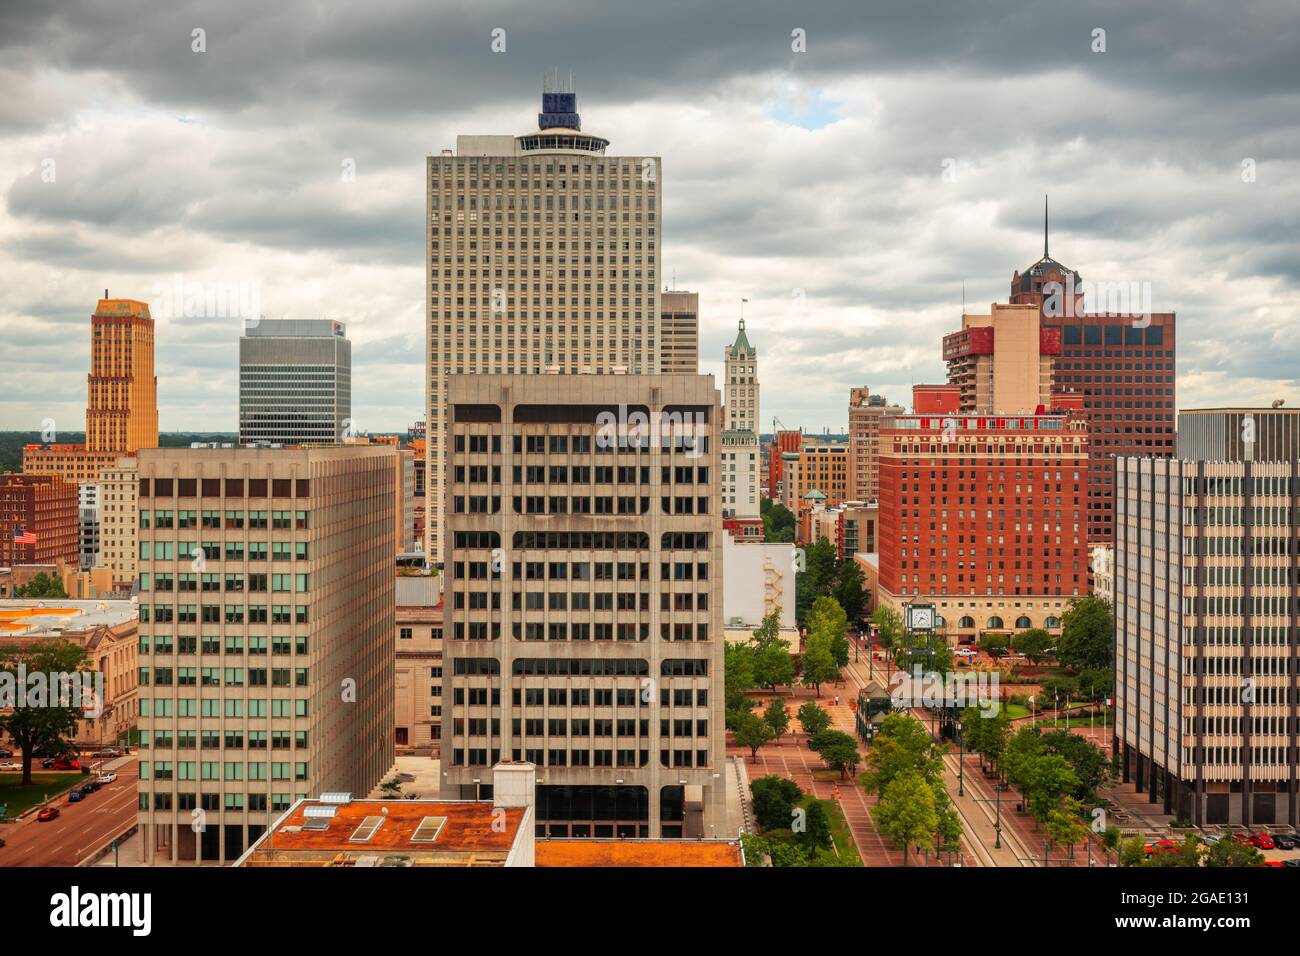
(543, 254)
(266, 656)
(584, 615)
(867, 413)
(295, 382)
(740, 449)
(121, 396)
(1205, 584)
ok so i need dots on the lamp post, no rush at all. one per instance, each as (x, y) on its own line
(997, 804)
(961, 762)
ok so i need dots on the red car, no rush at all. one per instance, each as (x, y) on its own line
(1272, 863)
(1160, 846)
(1243, 838)
(1262, 841)
(63, 763)
(49, 813)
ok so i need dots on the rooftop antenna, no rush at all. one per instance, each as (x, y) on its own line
(1044, 225)
(742, 314)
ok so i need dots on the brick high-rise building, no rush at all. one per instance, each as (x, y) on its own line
(584, 600)
(983, 516)
(866, 414)
(1123, 365)
(266, 637)
(1206, 615)
(679, 332)
(1002, 362)
(121, 396)
(44, 506)
(543, 255)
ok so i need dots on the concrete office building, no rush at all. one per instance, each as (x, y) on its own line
(1239, 434)
(295, 382)
(679, 332)
(88, 518)
(740, 448)
(584, 609)
(118, 489)
(1206, 611)
(543, 255)
(419, 663)
(867, 413)
(266, 637)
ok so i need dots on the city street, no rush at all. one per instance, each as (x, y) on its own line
(80, 828)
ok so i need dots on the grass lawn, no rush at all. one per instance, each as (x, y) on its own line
(1016, 710)
(45, 783)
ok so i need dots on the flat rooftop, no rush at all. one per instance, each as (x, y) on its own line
(639, 853)
(428, 832)
(22, 617)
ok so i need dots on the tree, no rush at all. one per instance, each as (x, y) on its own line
(817, 665)
(986, 736)
(828, 619)
(849, 591)
(837, 749)
(752, 731)
(820, 562)
(773, 666)
(1095, 684)
(1064, 826)
(889, 623)
(738, 677)
(774, 800)
(1034, 644)
(1044, 779)
(42, 586)
(392, 788)
(816, 834)
(906, 813)
(45, 725)
(994, 645)
(1087, 634)
(1228, 852)
(902, 744)
(813, 719)
(778, 522)
(777, 717)
(1088, 761)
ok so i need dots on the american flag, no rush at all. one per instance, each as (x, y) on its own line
(23, 537)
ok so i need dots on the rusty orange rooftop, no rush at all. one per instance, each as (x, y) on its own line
(639, 853)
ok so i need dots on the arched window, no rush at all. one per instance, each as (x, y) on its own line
(1022, 622)
(966, 621)
(940, 621)
(1052, 622)
(994, 622)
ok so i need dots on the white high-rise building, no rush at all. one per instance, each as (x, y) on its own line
(542, 256)
(740, 448)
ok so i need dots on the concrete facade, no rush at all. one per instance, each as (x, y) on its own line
(295, 382)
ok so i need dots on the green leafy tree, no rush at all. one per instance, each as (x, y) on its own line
(906, 812)
(837, 749)
(813, 719)
(817, 665)
(49, 728)
(774, 799)
(752, 731)
(773, 666)
(1044, 780)
(738, 677)
(1087, 634)
(42, 585)
(889, 624)
(1034, 644)
(816, 833)
(986, 736)
(849, 592)
(994, 644)
(1228, 852)
(1095, 684)
(1088, 761)
(777, 717)
(778, 522)
(901, 744)
(820, 564)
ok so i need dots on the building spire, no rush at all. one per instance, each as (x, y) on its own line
(1044, 225)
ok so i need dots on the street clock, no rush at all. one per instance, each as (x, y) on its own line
(920, 617)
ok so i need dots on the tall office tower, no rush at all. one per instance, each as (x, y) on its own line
(118, 490)
(266, 637)
(88, 521)
(543, 254)
(584, 609)
(1239, 434)
(1002, 362)
(295, 382)
(816, 474)
(1122, 364)
(1205, 619)
(984, 519)
(679, 332)
(121, 396)
(44, 509)
(740, 449)
(866, 414)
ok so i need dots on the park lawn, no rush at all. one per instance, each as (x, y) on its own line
(1015, 710)
(840, 833)
(48, 783)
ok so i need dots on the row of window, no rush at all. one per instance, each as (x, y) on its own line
(224, 613)
(222, 770)
(229, 644)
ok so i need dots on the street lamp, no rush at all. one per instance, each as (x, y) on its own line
(961, 762)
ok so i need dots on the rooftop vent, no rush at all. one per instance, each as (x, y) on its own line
(336, 799)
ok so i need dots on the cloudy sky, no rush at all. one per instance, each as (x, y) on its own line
(847, 190)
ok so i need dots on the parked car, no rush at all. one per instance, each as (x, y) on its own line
(90, 786)
(11, 766)
(67, 763)
(47, 763)
(1211, 838)
(76, 796)
(6, 752)
(1242, 838)
(1291, 862)
(47, 814)
(1262, 841)
(1285, 841)
(107, 778)
(1272, 863)
(1160, 846)
(108, 752)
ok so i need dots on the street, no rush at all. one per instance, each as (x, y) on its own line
(80, 827)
